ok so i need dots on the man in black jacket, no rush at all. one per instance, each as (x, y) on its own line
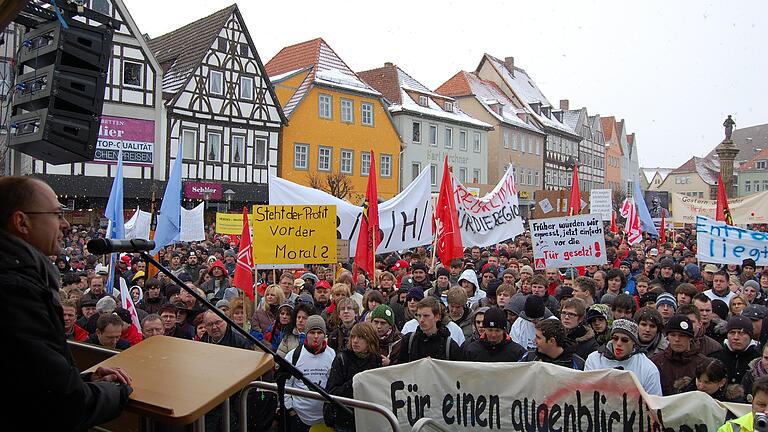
(431, 338)
(739, 348)
(551, 348)
(494, 345)
(39, 367)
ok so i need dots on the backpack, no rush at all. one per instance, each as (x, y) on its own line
(447, 347)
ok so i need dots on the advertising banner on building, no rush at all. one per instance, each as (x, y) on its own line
(137, 138)
(568, 241)
(405, 219)
(717, 242)
(752, 209)
(294, 234)
(535, 396)
(203, 191)
(492, 218)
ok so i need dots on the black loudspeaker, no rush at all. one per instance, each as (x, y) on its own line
(59, 95)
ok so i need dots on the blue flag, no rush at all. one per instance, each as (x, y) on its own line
(646, 223)
(114, 212)
(169, 220)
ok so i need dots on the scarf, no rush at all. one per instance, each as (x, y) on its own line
(315, 348)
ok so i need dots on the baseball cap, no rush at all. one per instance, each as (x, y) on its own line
(681, 324)
(400, 264)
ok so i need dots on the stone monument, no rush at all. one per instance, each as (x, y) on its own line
(727, 152)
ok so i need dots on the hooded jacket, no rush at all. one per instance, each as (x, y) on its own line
(216, 285)
(483, 351)
(674, 367)
(645, 371)
(469, 275)
(581, 340)
(737, 362)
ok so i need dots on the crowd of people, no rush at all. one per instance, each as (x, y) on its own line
(652, 309)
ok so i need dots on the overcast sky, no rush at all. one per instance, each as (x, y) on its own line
(672, 69)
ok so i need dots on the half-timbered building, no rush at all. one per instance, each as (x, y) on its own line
(221, 108)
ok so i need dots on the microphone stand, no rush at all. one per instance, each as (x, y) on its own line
(285, 365)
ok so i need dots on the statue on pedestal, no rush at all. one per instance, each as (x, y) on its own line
(729, 124)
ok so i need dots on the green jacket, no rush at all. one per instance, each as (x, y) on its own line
(744, 423)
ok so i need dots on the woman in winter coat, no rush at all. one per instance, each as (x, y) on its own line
(361, 354)
(294, 334)
(274, 333)
(267, 313)
(757, 368)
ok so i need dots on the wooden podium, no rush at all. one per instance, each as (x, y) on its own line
(177, 381)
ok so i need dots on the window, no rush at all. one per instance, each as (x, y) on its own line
(301, 156)
(530, 145)
(386, 165)
(100, 6)
(536, 178)
(476, 142)
(747, 186)
(538, 148)
(530, 177)
(463, 140)
(366, 113)
(216, 82)
(244, 50)
(515, 139)
(415, 170)
(760, 164)
(423, 101)
(261, 151)
(324, 156)
(238, 149)
(347, 160)
(765, 184)
(448, 138)
(463, 175)
(324, 106)
(132, 74)
(433, 135)
(433, 174)
(365, 163)
(757, 186)
(416, 136)
(475, 175)
(246, 88)
(506, 139)
(347, 111)
(189, 144)
(221, 44)
(449, 106)
(214, 147)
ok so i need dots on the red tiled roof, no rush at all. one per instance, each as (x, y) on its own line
(750, 164)
(457, 85)
(609, 126)
(385, 80)
(295, 57)
(689, 166)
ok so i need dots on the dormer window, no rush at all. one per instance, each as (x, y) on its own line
(761, 164)
(449, 106)
(423, 101)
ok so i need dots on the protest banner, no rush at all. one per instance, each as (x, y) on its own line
(492, 218)
(229, 223)
(752, 209)
(601, 202)
(554, 203)
(294, 234)
(405, 220)
(717, 242)
(138, 226)
(192, 225)
(568, 241)
(526, 397)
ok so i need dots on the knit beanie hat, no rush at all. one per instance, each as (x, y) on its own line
(490, 290)
(415, 293)
(383, 312)
(316, 322)
(627, 327)
(442, 271)
(495, 318)
(666, 298)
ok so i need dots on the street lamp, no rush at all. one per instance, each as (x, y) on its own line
(206, 198)
(229, 194)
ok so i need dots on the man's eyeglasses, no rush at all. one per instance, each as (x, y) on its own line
(569, 314)
(59, 213)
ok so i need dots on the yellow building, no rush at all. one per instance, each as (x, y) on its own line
(334, 120)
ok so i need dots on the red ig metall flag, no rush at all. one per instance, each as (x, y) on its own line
(448, 234)
(369, 236)
(244, 267)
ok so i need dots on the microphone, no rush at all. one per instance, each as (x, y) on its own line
(104, 246)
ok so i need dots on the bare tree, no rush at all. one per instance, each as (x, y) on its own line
(618, 199)
(334, 183)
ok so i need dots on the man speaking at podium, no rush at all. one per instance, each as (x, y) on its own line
(44, 389)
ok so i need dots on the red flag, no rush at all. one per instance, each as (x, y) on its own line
(723, 212)
(574, 203)
(447, 219)
(663, 235)
(369, 237)
(614, 227)
(244, 266)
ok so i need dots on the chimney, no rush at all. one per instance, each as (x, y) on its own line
(390, 64)
(564, 104)
(509, 62)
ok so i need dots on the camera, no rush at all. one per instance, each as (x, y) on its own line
(761, 422)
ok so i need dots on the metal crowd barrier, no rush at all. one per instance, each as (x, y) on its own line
(352, 403)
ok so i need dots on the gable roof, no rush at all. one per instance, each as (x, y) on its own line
(650, 173)
(523, 86)
(609, 127)
(571, 117)
(181, 51)
(325, 67)
(750, 164)
(706, 168)
(403, 91)
(489, 95)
